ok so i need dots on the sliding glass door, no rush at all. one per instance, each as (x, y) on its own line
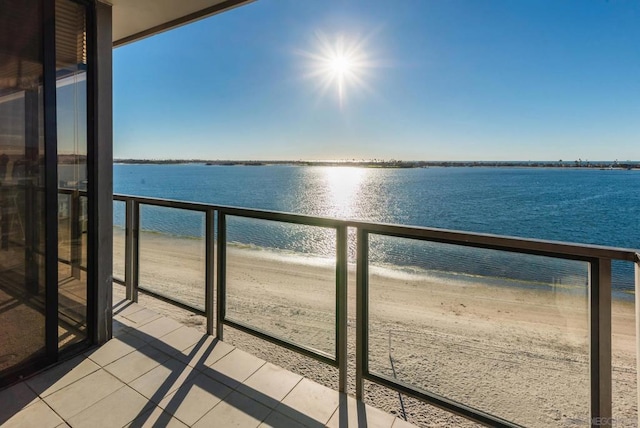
(22, 182)
(43, 166)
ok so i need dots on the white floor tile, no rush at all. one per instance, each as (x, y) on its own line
(399, 423)
(178, 340)
(352, 413)
(76, 397)
(64, 374)
(116, 348)
(278, 420)
(204, 353)
(269, 385)
(236, 410)
(138, 318)
(195, 398)
(137, 363)
(163, 379)
(234, 368)
(157, 328)
(310, 400)
(115, 410)
(14, 399)
(37, 415)
(154, 418)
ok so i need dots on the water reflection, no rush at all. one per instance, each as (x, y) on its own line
(342, 187)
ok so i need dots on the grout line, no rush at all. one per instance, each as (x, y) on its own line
(252, 373)
(64, 421)
(56, 366)
(167, 333)
(337, 410)
(135, 305)
(294, 387)
(90, 405)
(150, 408)
(211, 409)
(143, 322)
(138, 350)
(214, 362)
(120, 339)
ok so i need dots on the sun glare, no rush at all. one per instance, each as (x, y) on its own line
(340, 65)
(338, 62)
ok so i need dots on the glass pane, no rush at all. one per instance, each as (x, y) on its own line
(64, 236)
(84, 223)
(71, 98)
(119, 224)
(172, 254)
(502, 332)
(281, 279)
(22, 287)
(623, 345)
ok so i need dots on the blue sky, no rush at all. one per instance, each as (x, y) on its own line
(439, 80)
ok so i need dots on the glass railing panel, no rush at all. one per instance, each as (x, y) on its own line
(84, 224)
(623, 346)
(281, 279)
(502, 332)
(64, 235)
(172, 254)
(119, 232)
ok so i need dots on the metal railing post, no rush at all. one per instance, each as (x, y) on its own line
(135, 251)
(341, 306)
(362, 302)
(128, 248)
(600, 342)
(209, 270)
(131, 249)
(76, 234)
(221, 277)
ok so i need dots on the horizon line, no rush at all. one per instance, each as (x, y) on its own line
(370, 161)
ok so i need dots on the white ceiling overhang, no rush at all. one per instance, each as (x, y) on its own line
(137, 19)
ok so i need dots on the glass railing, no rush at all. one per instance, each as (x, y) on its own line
(503, 331)
(72, 228)
(171, 260)
(119, 230)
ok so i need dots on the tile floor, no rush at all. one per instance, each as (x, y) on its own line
(156, 372)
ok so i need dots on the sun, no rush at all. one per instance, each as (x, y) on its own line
(340, 65)
(338, 62)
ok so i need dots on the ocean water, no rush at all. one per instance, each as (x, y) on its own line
(576, 205)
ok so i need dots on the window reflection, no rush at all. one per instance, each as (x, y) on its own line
(71, 102)
(22, 254)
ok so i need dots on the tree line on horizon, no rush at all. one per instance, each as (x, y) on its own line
(392, 163)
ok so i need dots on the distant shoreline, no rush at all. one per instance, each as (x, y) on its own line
(604, 165)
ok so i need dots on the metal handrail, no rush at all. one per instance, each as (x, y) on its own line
(598, 257)
(539, 247)
(473, 239)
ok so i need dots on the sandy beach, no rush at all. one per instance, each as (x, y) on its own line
(518, 353)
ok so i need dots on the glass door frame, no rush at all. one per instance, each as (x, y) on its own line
(51, 180)
(53, 351)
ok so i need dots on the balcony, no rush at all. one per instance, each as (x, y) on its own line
(438, 326)
(158, 372)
